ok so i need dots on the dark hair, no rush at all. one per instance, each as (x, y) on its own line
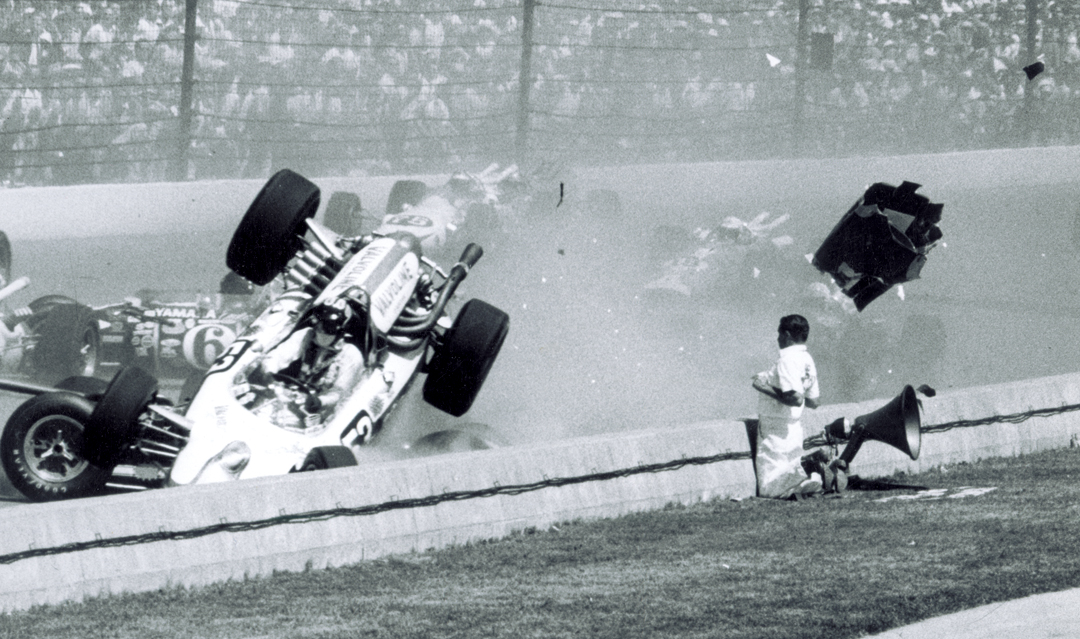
(796, 326)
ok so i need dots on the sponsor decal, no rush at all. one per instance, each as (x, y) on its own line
(205, 343)
(229, 357)
(405, 219)
(173, 312)
(388, 300)
(170, 342)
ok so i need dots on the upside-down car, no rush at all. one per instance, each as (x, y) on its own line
(309, 384)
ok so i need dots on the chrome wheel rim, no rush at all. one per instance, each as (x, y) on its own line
(49, 449)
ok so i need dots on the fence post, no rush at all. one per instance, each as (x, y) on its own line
(798, 133)
(1031, 87)
(187, 81)
(521, 148)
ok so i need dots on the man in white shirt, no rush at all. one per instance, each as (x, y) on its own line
(785, 388)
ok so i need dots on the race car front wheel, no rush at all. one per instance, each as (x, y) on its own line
(405, 193)
(270, 232)
(344, 215)
(66, 343)
(40, 449)
(114, 424)
(460, 366)
(327, 457)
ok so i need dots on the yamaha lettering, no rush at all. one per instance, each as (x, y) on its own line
(182, 313)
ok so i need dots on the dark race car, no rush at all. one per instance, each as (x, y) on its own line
(172, 334)
(881, 241)
(51, 338)
(176, 334)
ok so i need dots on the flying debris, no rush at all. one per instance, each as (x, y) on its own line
(773, 60)
(881, 241)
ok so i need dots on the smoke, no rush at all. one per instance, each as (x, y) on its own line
(589, 351)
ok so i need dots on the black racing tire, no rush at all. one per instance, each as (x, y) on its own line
(191, 386)
(344, 215)
(114, 424)
(91, 388)
(67, 343)
(48, 302)
(405, 192)
(327, 457)
(482, 225)
(459, 367)
(40, 449)
(5, 258)
(270, 232)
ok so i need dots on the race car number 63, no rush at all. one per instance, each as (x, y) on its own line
(204, 344)
(229, 357)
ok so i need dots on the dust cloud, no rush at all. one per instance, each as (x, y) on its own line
(589, 351)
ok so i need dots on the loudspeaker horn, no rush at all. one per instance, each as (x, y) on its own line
(897, 423)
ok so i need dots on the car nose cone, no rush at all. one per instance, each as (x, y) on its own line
(226, 465)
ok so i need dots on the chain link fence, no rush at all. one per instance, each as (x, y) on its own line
(98, 91)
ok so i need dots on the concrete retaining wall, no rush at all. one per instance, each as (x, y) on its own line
(967, 443)
(133, 209)
(192, 554)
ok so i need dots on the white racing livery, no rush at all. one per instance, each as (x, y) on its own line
(306, 386)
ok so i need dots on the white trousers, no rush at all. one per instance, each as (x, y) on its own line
(779, 456)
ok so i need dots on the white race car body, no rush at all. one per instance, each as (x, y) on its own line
(432, 221)
(276, 440)
(351, 324)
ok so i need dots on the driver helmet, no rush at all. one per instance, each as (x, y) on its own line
(329, 321)
(235, 284)
(462, 184)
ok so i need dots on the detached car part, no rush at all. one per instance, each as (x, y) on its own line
(881, 241)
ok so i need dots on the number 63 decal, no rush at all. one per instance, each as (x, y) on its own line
(229, 357)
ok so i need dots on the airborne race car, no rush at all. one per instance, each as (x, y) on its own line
(308, 385)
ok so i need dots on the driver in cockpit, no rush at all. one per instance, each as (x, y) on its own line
(315, 366)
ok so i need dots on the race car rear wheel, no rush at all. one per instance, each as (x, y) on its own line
(270, 232)
(40, 448)
(327, 457)
(67, 343)
(47, 302)
(405, 193)
(5, 257)
(114, 424)
(90, 387)
(344, 215)
(460, 366)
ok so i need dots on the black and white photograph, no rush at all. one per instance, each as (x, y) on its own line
(747, 319)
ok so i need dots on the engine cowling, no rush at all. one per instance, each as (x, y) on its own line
(387, 270)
